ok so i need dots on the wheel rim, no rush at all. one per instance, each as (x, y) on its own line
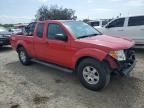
(91, 75)
(22, 56)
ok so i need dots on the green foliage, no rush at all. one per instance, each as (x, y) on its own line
(55, 13)
(7, 25)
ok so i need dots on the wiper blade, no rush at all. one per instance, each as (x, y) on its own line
(87, 36)
(92, 35)
(82, 37)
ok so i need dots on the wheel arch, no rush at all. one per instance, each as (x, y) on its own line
(82, 58)
(88, 53)
(18, 46)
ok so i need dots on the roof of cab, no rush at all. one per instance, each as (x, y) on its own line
(62, 21)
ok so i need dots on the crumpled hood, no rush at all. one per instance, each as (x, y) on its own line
(113, 43)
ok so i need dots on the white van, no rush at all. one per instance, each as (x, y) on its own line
(127, 27)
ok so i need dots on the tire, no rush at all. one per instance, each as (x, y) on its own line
(23, 56)
(93, 74)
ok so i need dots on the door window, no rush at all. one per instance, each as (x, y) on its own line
(117, 23)
(136, 21)
(55, 30)
(40, 30)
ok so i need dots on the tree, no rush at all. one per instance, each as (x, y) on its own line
(55, 13)
(8, 25)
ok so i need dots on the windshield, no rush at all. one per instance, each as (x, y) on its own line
(2, 29)
(81, 29)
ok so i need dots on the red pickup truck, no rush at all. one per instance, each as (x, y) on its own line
(75, 46)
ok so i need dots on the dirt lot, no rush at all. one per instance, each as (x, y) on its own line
(38, 86)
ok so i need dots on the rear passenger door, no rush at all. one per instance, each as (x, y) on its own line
(115, 28)
(28, 33)
(39, 42)
(135, 29)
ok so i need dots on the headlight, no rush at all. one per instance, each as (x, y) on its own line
(118, 55)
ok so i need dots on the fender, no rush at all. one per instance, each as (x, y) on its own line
(21, 42)
(88, 52)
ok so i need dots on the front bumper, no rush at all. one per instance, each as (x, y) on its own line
(126, 71)
(4, 41)
(125, 67)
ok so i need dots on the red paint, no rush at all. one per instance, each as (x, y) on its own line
(68, 53)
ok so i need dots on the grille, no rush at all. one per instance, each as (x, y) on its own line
(130, 55)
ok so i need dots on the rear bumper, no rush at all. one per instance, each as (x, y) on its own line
(4, 41)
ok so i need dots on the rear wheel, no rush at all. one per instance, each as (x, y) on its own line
(23, 56)
(93, 74)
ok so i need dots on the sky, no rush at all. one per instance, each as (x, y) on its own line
(23, 11)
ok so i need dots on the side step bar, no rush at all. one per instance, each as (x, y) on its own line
(52, 66)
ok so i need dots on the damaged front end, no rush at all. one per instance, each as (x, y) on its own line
(123, 67)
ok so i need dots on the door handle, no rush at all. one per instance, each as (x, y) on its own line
(142, 29)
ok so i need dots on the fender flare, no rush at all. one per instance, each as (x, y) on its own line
(88, 52)
(21, 43)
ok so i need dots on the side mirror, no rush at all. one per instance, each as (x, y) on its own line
(61, 37)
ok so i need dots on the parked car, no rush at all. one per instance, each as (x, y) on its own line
(78, 47)
(4, 36)
(15, 31)
(97, 24)
(126, 27)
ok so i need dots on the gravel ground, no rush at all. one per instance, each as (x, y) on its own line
(38, 86)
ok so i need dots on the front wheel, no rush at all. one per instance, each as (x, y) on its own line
(23, 56)
(93, 74)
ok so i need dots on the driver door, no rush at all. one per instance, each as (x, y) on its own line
(57, 49)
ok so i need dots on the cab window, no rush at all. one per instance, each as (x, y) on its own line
(40, 30)
(55, 32)
(116, 23)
